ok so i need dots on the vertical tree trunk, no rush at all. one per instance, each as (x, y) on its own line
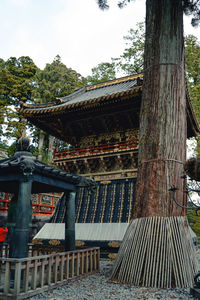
(50, 148)
(40, 144)
(162, 145)
(157, 249)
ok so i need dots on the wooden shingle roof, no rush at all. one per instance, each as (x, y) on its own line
(67, 115)
(87, 95)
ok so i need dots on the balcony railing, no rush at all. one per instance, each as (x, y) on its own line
(42, 204)
(95, 150)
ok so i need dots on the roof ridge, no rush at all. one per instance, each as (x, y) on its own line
(113, 81)
(75, 93)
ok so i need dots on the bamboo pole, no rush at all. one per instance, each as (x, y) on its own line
(156, 252)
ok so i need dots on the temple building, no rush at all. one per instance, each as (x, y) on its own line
(99, 126)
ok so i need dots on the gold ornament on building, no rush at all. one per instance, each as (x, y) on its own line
(80, 243)
(114, 244)
(112, 255)
(54, 242)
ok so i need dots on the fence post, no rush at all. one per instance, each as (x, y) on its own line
(67, 267)
(98, 259)
(82, 262)
(42, 273)
(7, 278)
(17, 279)
(62, 268)
(34, 274)
(26, 275)
(77, 263)
(56, 263)
(49, 270)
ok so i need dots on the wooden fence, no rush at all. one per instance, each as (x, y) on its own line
(25, 277)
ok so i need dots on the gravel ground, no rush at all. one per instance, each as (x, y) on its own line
(98, 287)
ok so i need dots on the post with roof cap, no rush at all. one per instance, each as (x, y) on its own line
(20, 233)
(70, 221)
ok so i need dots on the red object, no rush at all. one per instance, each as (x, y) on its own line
(3, 232)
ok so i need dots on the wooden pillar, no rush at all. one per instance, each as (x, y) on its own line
(20, 234)
(70, 221)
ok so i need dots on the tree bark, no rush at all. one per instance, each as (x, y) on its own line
(162, 144)
(157, 249)
(40, 144)
(50, 148)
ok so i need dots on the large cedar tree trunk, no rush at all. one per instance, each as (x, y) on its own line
(162, 145)
(157, 250)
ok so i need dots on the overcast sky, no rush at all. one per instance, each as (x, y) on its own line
(77, 30)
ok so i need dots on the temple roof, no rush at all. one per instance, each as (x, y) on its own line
(89, 94)
(68, 116)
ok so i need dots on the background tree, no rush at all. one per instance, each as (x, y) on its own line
(158, 222)
(17, 77)
(103, 72)
(55, 81)
(129, 62)
(192, 54)
(132, 59)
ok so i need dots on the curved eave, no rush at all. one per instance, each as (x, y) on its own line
(30, 111)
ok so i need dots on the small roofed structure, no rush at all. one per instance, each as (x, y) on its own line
(23, 175)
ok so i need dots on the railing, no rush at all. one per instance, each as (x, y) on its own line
(25, 277)
(99, 149)
(42, 204)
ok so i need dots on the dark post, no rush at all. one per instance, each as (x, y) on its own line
(70, 221)
(22, 216)
(19, 239)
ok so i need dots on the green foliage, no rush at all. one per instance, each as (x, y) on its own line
(194, 221)
(103, 72)
(55, 81)
(3, 146)
(192, 7)
(12, 149)
(16, 79)
(16, 84)
(22, 81)
(131, 60)
(192, 54)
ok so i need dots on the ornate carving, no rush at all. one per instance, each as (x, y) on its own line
(80, 243)
(112, 255)
(114, 244)
(37, 242)
(118, 136)
(23, 144)
(90, 184)
(27, 165)
(54, 242)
